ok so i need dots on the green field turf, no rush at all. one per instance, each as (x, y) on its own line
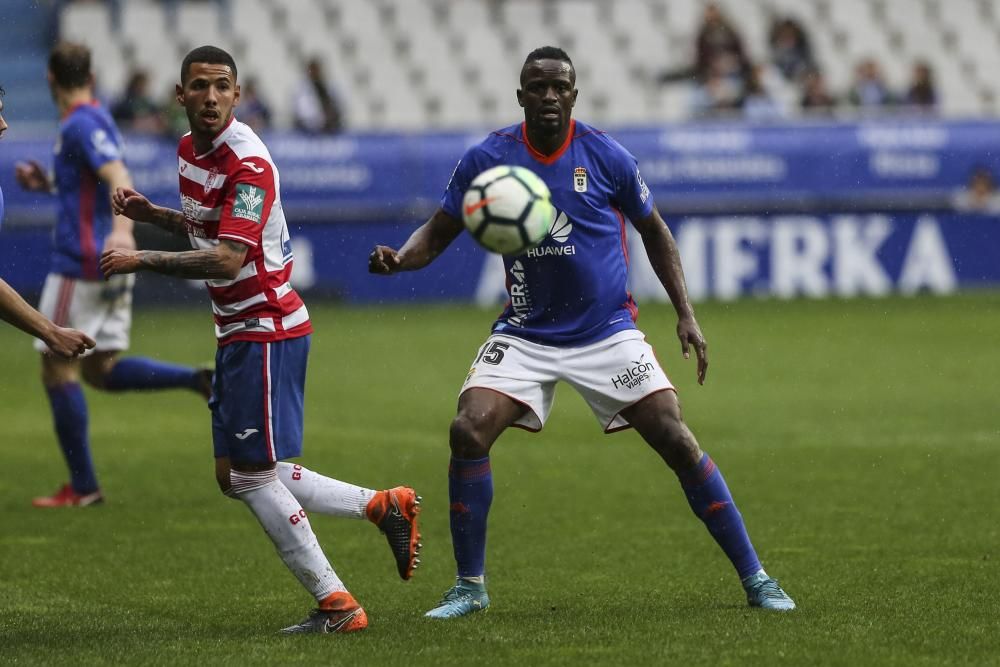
(860, 439)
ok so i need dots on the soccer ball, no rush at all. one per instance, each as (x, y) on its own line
(508, 210)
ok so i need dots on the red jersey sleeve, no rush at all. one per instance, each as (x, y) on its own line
(250, 193)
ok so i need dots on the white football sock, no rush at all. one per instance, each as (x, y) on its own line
(286, 524)
(324, 494)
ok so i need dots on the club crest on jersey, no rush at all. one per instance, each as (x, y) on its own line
(210, 179)
(580, 179)
(249, 203)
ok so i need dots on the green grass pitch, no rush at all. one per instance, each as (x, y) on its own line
(860, 440)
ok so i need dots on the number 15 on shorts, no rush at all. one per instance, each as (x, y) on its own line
(490, 353)
(493, 353)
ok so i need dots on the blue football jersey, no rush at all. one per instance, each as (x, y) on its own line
(88, 139)
(573, 288)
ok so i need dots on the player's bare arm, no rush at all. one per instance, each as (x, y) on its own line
(222, 262)
(666, 262)
(423, 246)
(31, 176)
(64, 342)
(127, 202)
(116, 176)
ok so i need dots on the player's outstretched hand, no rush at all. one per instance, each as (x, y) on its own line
(31, 176)
(690, 334)
(383, 260)
(132, 204)
(68, 343)
(118, 260)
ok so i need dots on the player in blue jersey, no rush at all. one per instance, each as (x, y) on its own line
(88, 167)
(571, 318)
(15, 310)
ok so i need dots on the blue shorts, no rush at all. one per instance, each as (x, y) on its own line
(257, 400)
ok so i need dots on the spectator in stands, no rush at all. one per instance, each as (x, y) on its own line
(922, 93)
(316, 107)
(721, 92)
(716, 37)
(790, 49)
(816, 99)
(759, 103)
(253, 110)
(980, 195)
(869, 90)
(136, 110)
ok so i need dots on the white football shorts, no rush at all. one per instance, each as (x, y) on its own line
(610, 375)
(101, 309)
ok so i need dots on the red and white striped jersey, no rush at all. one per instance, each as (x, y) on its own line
(233, 192)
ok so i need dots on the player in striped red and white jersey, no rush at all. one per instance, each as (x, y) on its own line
(237, 175)
(231, 211)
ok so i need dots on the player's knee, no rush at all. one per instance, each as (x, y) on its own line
(94, 376)
(222, 479)
(676, 444)
(56, 372)
(96, 368)
(467, 438)
(50, 378)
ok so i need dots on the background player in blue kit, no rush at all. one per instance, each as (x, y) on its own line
(62, 341)
(88, 167)
(575, 324)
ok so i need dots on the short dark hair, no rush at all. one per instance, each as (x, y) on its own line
(69, 64)
(212, 55)
(548, 53)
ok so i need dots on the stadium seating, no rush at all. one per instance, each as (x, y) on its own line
(417, 64)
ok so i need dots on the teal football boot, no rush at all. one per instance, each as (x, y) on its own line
(764, 592)
(461, 599)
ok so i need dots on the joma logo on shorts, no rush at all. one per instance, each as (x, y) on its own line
(632, 377)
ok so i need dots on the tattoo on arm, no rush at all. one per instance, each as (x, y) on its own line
(215, 263)
(169, 220)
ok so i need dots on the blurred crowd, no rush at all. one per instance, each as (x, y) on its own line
(728, 82)
(316, 107)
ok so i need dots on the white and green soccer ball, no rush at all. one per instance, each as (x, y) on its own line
(508, 210)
